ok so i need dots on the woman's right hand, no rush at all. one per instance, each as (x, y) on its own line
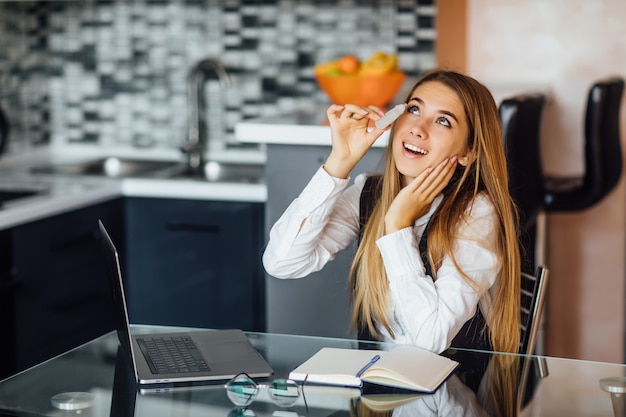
(414, 200)
(350, 136)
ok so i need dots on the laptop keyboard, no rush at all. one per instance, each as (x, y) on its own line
(172, 355)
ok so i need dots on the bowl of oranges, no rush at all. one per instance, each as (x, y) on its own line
(375, 80)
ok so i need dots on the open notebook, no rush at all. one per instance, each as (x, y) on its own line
(406, 367)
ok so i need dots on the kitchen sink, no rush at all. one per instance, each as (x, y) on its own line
(14, 193)
(10, 195)
(109, 167)
(226, 172)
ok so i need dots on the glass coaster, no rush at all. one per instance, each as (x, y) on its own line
(616, 386)
(73, 401)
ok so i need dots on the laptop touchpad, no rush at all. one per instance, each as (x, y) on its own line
(224, 352)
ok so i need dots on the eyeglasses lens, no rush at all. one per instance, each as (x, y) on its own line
(284, 392)
(242, 390)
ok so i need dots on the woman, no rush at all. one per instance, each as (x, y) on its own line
(444, 190)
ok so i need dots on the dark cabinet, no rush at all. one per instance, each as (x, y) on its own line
(195, 263)
(53, 289)
(185, 262)
(8, 325)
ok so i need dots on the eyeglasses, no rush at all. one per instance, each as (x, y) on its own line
(242, 391)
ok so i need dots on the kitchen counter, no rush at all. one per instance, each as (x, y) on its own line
(62, 193)
(297, 128)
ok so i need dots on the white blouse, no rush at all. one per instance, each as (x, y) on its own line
(324, 220)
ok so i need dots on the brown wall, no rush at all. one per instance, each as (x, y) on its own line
(450, 47)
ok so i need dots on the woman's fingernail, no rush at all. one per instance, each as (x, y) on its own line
(454, 158)
(445, 162)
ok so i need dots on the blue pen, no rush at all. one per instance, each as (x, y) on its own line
(368, 365)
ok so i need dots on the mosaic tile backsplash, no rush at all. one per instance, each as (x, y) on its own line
(114, 73)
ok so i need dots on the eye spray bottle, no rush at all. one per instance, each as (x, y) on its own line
(391, 116)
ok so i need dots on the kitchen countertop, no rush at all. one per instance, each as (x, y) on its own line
(62, 193)
(297, 128)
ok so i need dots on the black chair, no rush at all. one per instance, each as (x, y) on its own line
(533, 369)
(532, 300)
(520, 120)
(603, 153)
(473, 364)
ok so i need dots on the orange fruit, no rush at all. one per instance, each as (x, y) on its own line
(348, 64)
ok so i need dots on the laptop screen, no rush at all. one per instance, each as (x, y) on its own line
(114, 274)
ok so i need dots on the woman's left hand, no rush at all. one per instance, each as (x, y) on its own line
(414, 200)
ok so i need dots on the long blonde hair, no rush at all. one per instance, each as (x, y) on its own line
(486, 173)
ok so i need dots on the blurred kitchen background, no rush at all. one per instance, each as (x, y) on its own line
(113, 74)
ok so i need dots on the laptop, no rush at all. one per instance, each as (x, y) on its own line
(200, 355)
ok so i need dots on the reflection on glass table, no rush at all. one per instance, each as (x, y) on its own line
(477, 388)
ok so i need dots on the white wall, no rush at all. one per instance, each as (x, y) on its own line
(565, 45)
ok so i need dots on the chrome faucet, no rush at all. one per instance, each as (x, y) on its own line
(196, 143)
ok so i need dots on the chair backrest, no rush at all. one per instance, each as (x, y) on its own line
(532, 369)
(603, 153)
(532, 301)
(520, 119)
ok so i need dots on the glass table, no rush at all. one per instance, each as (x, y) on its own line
(95, 380)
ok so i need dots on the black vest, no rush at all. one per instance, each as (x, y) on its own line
(473, 335)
